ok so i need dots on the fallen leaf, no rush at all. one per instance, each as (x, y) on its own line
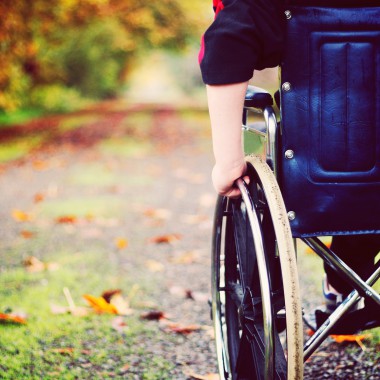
(33, 265)
(119, 324)
(119, 302)
(182, 329)
(165, 239)
(125, 368)
(121, 243)
(108, 294)
(27, 234)
(21, 216)
(196, 296)
(153, 315)
(352, 338)
(39, 197)
(209, 376)
(12, 318)
(158, 213)
(99, 304)
(70, 219)
(154, 266)
(64, 350)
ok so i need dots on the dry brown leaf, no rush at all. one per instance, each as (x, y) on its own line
(165, 239)
(33, 265)
(121, 243)
(12, 318)
(21, 216)
(100, 305)
(121, 305)
(153, 315)
(68, 219)
(182, 329)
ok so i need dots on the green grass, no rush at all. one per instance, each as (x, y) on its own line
(94, 350)
(18, 117)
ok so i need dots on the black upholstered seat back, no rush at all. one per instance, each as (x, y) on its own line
(330, 112)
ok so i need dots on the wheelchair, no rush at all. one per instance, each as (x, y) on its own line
(315, 172)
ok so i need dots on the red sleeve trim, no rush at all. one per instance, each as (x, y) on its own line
(218, 6)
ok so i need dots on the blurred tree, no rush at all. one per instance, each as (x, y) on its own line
(84, 44)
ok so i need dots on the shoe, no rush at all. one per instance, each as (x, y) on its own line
(332, 297)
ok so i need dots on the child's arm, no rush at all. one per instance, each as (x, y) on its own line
(225, 104)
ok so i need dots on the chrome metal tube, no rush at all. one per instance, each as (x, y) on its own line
(317, 338)
(264, 281)
(271, 149)
(335, 262)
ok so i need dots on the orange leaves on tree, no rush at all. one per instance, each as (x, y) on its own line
(21, 216)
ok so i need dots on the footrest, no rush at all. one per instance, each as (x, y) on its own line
(351, 323)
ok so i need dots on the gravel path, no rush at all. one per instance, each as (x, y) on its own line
(167, 192)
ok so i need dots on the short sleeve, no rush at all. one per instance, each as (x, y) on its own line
(246, 35)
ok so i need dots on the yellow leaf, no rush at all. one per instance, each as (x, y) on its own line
(21, 216)
(121, 243)
(99, 304)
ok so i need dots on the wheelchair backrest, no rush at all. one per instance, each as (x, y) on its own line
(329, 167)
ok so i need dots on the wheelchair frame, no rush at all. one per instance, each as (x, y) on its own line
(233, 293)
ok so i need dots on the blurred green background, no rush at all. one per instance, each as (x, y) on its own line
(62, 55)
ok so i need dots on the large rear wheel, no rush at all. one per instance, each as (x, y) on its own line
(256, 305)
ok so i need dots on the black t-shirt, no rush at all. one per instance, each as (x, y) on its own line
(246, 35)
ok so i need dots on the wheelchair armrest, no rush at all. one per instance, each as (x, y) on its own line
(257, 97)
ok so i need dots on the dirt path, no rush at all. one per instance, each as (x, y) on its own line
(159, 198)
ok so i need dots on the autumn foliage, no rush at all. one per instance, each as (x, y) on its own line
(57, 53)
